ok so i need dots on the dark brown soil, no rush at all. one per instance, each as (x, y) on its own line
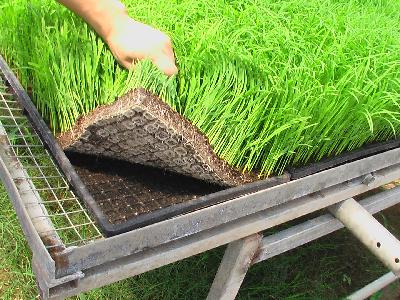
(124, 190)
(140, 128)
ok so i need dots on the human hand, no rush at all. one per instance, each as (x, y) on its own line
(130, 41)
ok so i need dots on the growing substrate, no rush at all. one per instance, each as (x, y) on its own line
(270, 83)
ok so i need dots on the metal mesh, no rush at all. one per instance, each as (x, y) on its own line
(59, 204)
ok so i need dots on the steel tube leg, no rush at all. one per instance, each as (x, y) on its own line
(370, 232)
(233, 268)
(373, 287)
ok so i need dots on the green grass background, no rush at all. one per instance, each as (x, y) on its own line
(270, 83)
(328, 268)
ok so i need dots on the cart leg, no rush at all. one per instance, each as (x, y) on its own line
(370, 232)
(373, 287)
(233, 268)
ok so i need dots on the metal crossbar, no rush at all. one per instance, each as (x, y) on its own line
(58, 202)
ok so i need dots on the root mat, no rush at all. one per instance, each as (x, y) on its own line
(140, 128)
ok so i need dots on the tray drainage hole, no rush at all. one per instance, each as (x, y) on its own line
(396, 260)
(378, 244)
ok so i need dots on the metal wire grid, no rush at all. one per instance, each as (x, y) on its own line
(59, 204)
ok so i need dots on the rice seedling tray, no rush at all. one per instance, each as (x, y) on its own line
(132, 196)
(127, 192)
(123, 196)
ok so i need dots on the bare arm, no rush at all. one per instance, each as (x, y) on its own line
(128, 39)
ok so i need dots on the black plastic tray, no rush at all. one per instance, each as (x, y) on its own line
(117, 213)
(81, 190)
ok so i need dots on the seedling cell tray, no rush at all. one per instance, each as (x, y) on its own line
(123, 196)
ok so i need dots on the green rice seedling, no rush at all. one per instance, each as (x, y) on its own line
(270, 83)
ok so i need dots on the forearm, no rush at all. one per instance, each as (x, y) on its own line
(99, 14)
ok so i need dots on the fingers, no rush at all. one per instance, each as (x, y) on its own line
(136, 41)
(127, 64)
(165, 61)
(165, 64)
(171, 58)
(167, 49)
(165, 58)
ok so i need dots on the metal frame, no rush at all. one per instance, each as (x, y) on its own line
(374, 287)
(64, 269)
(225, 287)
(105, 261)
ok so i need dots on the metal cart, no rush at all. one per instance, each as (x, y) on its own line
(72, 255)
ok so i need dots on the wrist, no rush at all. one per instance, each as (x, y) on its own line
(117, 23)
(104, 16)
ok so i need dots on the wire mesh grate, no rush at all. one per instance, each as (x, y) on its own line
(59, 205)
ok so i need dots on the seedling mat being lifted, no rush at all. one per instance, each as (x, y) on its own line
(140, 128)
(123, 196)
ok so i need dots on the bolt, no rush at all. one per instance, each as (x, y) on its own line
(368, 179)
